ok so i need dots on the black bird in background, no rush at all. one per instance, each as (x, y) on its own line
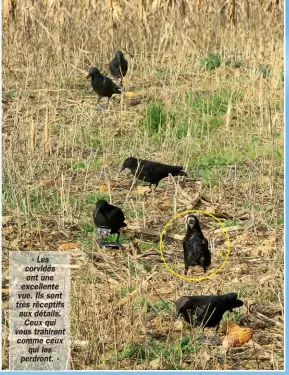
(206, 310)
(118, 66)
(102, 85)
(108, 219)
(196, 246)
(150, 171)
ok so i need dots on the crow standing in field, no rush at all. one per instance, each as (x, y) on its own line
(206, 310)
(118, 66)
(108, 219)
(196, 246)
(102, 85)
(150, 171)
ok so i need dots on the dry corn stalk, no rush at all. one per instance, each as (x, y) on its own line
(47, 140)
(233, 12)
(32, 135)
(6, 8)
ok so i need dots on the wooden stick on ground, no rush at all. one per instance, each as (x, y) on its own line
(124, 300)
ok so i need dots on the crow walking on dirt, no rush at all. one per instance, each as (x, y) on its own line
(118, 66)
(108, 219)
(196, 246)
(102, 85)
(206, 310)
(151, 171)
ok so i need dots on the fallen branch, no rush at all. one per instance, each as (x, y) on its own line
(102, 275)
(132, 294)
(153, 233)
(178, 237)
(269, 320)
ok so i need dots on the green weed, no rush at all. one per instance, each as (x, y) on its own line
(264, 70)
(279, 221)
(155, 121)
(229, 223)
(234, 63)
(79, 165)
(211, 62)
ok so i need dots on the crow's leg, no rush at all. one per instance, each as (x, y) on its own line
(98, 105)
(117, 238)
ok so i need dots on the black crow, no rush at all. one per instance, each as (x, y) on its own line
(151, 171)
(108, 219)
(196, 246)
(118, 66)
(206, 310)
(102, 85)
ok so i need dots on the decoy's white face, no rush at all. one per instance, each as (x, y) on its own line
(191, 220)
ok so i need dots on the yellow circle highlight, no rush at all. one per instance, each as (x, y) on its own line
(193, 278)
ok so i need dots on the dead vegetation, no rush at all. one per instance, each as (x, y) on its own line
(210, 76)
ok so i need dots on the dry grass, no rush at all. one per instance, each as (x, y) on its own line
(225, 125)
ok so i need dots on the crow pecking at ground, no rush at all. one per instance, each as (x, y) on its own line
(206, 310)
(108, 219)
(118, 66)
(102, 85)
(150, 171)
(196, 246)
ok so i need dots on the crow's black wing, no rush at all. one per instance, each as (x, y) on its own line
(116, 217)
(124, 67)
(199, 309)
(153, 172)
(100, 219)
(195, 248)
(110, 86)
(114, 68)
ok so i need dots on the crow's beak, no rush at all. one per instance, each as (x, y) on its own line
(88, 76)
(121, 169)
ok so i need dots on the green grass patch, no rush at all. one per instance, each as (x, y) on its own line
(87, 228)
(79, 165)
(211, 62)
(279, 221)
(162, 74)
(155, 121)
(129, 212)
(234, 63)
(146, 245)
(234, 316)
(171, 353)
(264, 70)
(92, 198)
(146, 266)
(123, 292)
(229, 223)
